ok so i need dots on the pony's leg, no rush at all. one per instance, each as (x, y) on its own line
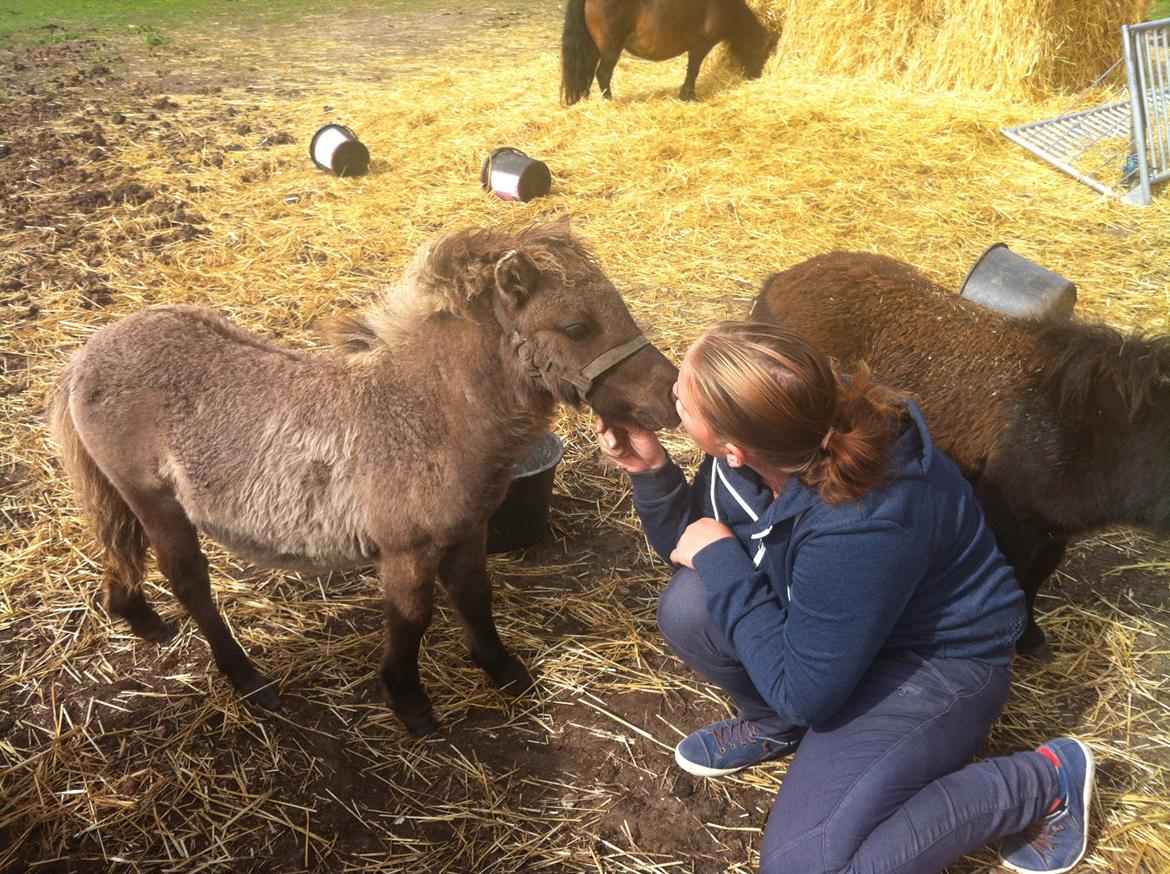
(182, 562)
(611, 24)
(605, 67)
(124, 567)
(463, 573)
(408, 580)
(1032, 552)
(695, 58)
(120, 533)
(1047, 557)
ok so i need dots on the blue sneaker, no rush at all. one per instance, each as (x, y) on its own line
(1058, 841)
(731, 745)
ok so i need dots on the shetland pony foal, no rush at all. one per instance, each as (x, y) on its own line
(392, 451)
(1061, 427)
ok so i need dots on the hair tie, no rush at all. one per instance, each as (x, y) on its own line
(828, 436)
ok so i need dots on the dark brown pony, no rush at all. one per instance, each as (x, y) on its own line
(392, 451)
(596, 32)
(1062, 427)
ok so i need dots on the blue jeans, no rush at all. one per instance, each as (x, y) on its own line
(886, 784)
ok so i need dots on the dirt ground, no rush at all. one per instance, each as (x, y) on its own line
(589, 759)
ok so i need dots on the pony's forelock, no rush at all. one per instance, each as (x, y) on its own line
(450, 274)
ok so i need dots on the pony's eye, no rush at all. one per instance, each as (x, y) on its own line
(576, 331)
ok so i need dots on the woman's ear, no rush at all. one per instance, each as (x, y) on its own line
(735, 455)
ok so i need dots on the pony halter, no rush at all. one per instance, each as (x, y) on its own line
(541, 368)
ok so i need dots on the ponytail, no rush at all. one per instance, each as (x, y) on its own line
(853, 455)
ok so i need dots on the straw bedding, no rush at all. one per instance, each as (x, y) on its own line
(114, 754)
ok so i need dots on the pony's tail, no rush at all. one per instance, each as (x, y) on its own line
(110, 518)
(579, 55)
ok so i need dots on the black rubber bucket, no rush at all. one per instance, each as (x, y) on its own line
(522, 519)
(1008, 282)
(512, 175)
(337, 149)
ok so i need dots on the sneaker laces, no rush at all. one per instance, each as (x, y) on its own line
(744, 732)
(1041, 835)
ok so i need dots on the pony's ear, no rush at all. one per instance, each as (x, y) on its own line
(516, 277)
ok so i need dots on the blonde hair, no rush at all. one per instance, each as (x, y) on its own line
(772, 392)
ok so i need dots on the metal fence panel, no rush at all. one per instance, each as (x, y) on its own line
(1116, 137)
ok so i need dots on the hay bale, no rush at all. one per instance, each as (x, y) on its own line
(1019, 48)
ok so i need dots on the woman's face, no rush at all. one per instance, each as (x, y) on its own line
(692, 421)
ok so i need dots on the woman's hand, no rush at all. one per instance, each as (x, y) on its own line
(633, 449)
(699, 534)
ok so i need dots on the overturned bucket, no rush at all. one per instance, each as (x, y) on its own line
(522, 519)
(337, 149)
(1008, 282)
(512, 175)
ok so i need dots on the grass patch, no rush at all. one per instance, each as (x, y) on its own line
(53, 21)
(1158, 9)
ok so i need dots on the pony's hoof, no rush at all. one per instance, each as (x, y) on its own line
(414, 711)
(143, 620)
(510, 677)
(1033, 644)
(156, 632)
(266, 696)
(1041, 652)
(421, 727)
(259, 691)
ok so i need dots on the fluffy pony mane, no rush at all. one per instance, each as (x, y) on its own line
(449, 274)
(1083, 356)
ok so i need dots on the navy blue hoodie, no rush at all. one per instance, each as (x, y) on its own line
(809, 592)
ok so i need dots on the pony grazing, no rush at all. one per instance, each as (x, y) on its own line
(392, 451)
(1061, 427)
(597, 31)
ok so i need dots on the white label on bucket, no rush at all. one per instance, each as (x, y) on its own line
(505, 185)
(327, 144)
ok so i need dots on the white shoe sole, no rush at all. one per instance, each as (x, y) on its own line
(1087, 794)
(701, 770)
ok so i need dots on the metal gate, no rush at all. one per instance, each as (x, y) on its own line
(1120, 147)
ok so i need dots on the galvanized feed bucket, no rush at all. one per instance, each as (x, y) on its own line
(1008, 282)
(522, 519)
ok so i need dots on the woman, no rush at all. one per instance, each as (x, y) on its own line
(838, 582)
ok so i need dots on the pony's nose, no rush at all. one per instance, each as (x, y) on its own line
(672, 419)
(666, 416)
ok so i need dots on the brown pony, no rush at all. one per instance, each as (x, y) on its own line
(1062, 427)
(392, 451)
(596, 32)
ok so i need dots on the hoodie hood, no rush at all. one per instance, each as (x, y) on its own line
(754, 504)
